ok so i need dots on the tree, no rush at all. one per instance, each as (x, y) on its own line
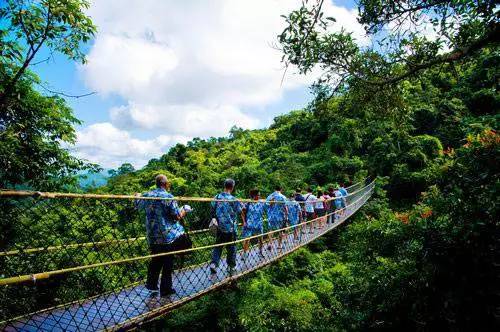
(125, 168)
(34, 129)
(31, 139)
(28, 25)
(411, 35)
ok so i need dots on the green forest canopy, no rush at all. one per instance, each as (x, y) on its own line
(421, 254)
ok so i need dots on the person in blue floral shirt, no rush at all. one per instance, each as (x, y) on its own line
(339, 210)
(227, 209)
(345, 194)
(253, 219)
(276, 214)
(294, 215)
(163, 230)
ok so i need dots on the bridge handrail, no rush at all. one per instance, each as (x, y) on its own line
(44, 275)
(14, 193)
(41, 194)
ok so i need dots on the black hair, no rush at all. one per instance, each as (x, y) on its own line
(254, 192)
(229, 184)
(278, 188)
(309, 190)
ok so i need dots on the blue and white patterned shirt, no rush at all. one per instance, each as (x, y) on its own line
(338, 199)
(162, 226)
(254, 215)
(227, 212)
(294, 211)
(276, 211)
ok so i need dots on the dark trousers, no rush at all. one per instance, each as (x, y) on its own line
(163, 264)
(310, 216)
(222, 237)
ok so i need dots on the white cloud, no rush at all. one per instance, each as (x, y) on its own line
(103, 143)
(190, 120)
(128, 64)
(191, 67)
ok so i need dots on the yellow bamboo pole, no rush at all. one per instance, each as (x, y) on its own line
(40, 194)
(47, 274)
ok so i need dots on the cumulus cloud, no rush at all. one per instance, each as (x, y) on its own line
(190, 120)
(193, 68)
(128, 64)
(111, 146)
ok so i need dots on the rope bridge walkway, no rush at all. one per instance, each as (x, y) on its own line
(78, 261)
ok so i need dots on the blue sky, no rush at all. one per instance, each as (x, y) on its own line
(168, 71)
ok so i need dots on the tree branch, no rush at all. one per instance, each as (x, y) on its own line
(398, 13)
(29, 57)
(26, 32)
(316, 17)
(39, 62)
(65, 94)
(493, 37)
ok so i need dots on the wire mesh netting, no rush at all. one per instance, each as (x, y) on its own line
(79, 262)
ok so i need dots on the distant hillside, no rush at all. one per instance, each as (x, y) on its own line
(93, 180)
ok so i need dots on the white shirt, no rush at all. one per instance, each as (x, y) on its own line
(320, 203)
(310, 200)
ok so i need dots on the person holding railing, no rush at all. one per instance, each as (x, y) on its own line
(328, 206)
(300, 199)
(164, 233)
(276, 214)
(319, 208)
(310, 200)
(339, 202)
(226, 209)
(344, 193)
(253, 220)
(331, 209)
(294, 215)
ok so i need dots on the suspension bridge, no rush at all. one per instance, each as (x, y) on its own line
(79, 261)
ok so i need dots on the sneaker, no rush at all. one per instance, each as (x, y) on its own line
(213, 268)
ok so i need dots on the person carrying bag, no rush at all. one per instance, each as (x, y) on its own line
(164, 234)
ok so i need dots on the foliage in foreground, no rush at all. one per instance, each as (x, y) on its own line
(429, 268)
(429, 132)
(421, 255)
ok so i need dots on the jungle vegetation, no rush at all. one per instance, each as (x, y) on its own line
(418, 113)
